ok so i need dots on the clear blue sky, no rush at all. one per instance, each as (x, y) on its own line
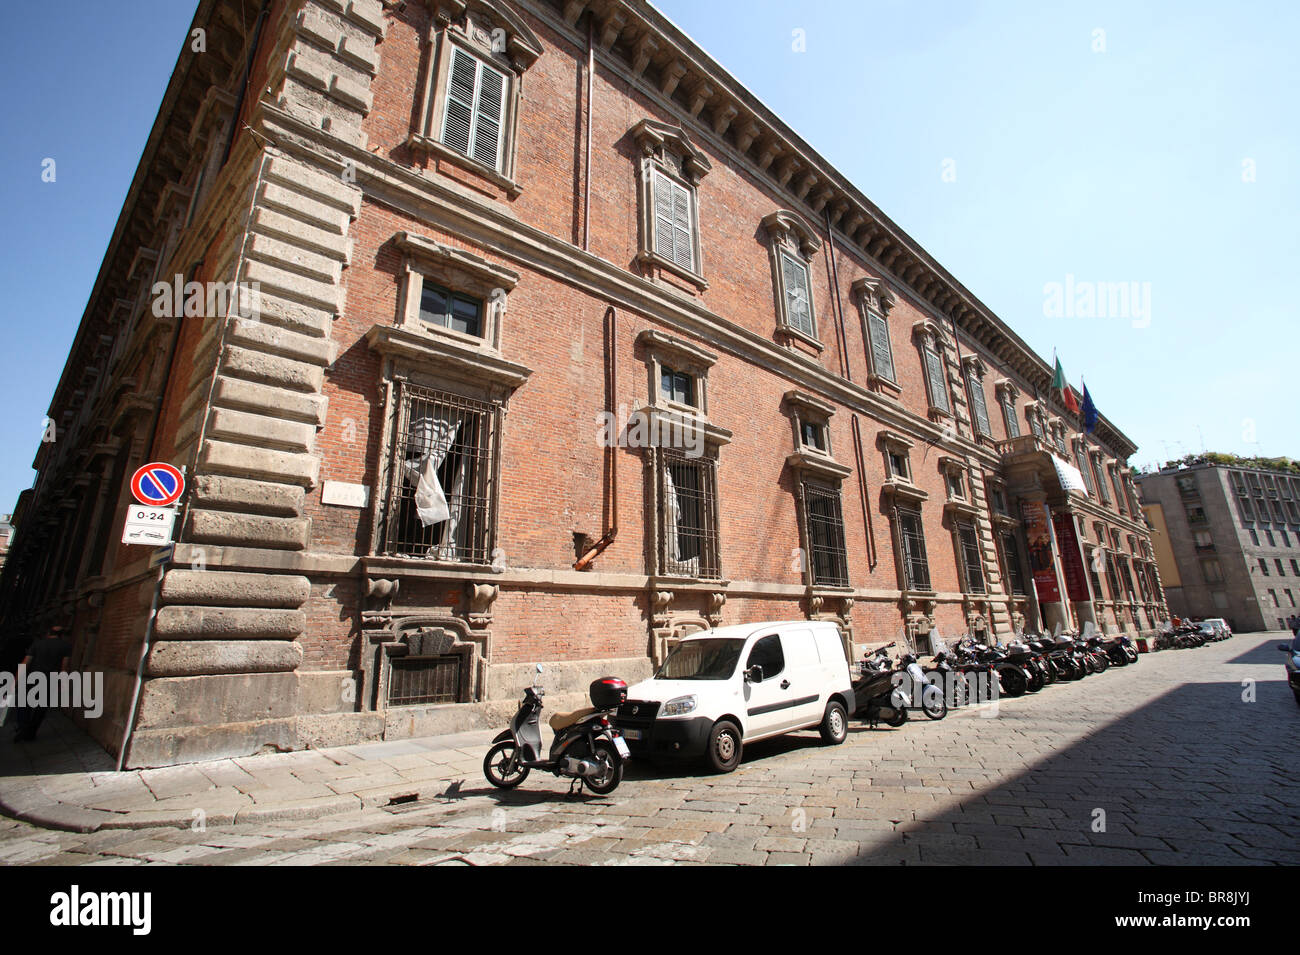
(1119, 166)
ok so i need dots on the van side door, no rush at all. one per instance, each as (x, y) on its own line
(767, 702)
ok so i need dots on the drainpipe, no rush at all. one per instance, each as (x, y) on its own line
(586, 176)
(872, 556)
(611, 451)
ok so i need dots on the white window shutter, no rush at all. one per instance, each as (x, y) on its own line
(488, 117)
(457, 124)
(798, 305)
(683, 247)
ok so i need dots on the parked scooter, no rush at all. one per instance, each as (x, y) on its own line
(932, 698)
(586, 747)
(882, 700)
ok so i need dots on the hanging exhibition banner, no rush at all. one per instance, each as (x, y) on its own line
(1038, 531)
(1067, 542)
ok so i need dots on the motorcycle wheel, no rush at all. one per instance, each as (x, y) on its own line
(1013, 682)
(1036, 681)
(1103, 663)
(608, 757)
(1131, 654)
(934, 705)
(898, 719)
(497, 766)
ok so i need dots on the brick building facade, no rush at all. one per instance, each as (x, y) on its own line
(562, 346)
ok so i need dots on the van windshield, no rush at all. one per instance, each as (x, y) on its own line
(706, 659)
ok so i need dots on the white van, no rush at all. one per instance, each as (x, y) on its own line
(720, 689)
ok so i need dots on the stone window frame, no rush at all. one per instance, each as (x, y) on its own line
(1007, 394)
(1081, 461)
(789, 235)
(875, 300)
(495, 35)
(1056, 431)
(903, 485)
(661, 351)
(931, 338)
(1112, 474)
(814, 466)
(1036, 418)
(666, 149)
(459, 271)
(973, 371)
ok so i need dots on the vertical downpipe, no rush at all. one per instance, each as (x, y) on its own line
(872, 557)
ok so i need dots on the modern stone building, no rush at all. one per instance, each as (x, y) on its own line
(563, 346)
(1227, 542)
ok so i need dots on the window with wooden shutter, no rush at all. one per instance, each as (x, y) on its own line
(798, 303)
(979, 407)
(674, 222)
(882, 354)
(1009, 413)
(934, 378)
(475, 110)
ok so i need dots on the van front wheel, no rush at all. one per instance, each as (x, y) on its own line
(835, 724)
(724, 747)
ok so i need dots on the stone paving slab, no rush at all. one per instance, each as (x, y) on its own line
(1180, 769)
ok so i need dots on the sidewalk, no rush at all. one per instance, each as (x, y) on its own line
(66, 781)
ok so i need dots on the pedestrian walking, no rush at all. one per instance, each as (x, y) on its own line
(48, 654)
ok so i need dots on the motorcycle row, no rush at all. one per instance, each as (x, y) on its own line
(1188, 635)
(971, 672)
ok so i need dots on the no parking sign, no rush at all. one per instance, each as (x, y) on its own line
(158, 484)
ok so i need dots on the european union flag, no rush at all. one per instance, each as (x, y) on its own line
(1089, 412)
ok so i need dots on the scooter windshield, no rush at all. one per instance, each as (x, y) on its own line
(705, 659)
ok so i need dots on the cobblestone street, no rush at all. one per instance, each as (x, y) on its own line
(1165, 762)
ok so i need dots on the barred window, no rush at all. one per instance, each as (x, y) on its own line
(824, 523)
(916, 570)
(688, 515)
(441, 477)
(971, 562)
(1014, 569)
(414, 680)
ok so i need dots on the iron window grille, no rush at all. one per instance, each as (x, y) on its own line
(916, 569)
(442, 476)
(688, 516)
(423, 680)
(971, 561)
(824, 521)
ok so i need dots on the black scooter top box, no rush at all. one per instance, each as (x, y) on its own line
(609, 692)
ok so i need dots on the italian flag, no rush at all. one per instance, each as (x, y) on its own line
(1067, 393)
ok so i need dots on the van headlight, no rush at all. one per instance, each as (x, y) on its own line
(678, 707)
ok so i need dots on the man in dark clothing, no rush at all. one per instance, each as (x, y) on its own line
(49, 654)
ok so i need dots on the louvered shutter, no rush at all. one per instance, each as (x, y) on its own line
(674, 232)
(978, 404)
(683, 247)
(488, 115)
(1009, 412)
(457, 124)
(934, 373)
(798, 306)
(882, 354)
